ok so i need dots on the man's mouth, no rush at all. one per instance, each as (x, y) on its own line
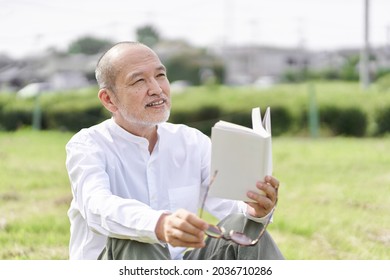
(155, 103)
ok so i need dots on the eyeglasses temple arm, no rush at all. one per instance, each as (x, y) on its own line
(206, 192)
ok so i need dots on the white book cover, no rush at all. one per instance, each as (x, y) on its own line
(241, 155)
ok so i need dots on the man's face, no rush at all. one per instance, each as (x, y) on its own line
(142, 91)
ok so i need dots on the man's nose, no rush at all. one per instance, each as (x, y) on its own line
(154, 87)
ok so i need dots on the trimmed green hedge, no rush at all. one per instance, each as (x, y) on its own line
(344, 121)
(15, 113)
(383, 121)
(342, 108)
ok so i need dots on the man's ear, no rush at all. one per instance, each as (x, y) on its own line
(107, 98)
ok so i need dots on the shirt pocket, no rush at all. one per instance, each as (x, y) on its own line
(184, 197)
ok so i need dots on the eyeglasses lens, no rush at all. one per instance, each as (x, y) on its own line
(214, 231)
(240, 238)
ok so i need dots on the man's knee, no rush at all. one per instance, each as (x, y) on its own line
(125, 249)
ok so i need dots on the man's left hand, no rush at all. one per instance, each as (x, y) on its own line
(262, 203)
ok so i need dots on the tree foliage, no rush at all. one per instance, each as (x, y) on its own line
(89, 45)
(195, 66)
(148, 35)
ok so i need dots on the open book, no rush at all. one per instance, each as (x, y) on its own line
(241, 155)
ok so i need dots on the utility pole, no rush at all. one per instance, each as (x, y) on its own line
(388, 38)
(364, 55)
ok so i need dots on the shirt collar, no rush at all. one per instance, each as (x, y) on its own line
(119, 131)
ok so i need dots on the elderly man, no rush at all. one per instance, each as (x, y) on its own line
(138, 181)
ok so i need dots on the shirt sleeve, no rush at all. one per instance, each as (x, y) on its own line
(262, 220)
(105, 213)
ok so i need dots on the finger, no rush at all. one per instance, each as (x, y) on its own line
(262, 205)
(256, 210)
(179, 243)
(187, 226)
(257, 197)
(269, 190)
(190, 222)
(197, 222)
(178, 237)
(261, 202)
(273, 181)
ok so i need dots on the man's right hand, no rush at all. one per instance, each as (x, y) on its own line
(181, 229)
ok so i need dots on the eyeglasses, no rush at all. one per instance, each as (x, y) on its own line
(239, 238)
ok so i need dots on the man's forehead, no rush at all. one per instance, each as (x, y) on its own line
(135, 55)
(133, 50)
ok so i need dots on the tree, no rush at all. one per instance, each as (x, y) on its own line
(148, 35)
(89, 45)
(349, 70)
(196, 66)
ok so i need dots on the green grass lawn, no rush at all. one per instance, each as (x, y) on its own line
(334, 197)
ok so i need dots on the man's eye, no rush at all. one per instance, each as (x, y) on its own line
(161, 75)
(138, 81)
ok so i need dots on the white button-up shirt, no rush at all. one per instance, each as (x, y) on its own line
(120, 189)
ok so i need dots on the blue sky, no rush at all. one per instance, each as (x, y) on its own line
(28, 26)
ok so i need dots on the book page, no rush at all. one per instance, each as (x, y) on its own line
(233, 127)
(242, 157)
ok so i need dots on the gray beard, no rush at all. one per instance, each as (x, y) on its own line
(146, 123)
